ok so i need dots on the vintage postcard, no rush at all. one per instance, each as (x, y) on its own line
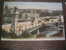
(33, 21)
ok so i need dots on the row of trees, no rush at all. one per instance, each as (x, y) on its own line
(46, 12)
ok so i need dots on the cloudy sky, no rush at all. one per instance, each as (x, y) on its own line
(36, 5)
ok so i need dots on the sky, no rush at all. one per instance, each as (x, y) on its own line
(36, 5)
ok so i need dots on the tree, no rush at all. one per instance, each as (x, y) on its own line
(13, 19)
(20, 15)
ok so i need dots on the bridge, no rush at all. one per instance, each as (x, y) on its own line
(32, 29)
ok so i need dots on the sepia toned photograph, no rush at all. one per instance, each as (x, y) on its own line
(33, 21)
